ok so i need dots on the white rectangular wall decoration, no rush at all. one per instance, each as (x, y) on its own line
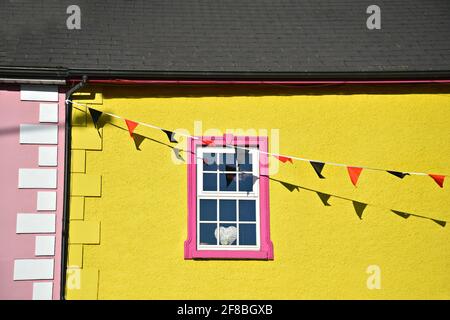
(45, 246)
(33, 269)
(42, 290)
(46, 201)
(39, 134)
(37, 178)
(48, 112)
(48, 156)
(31, 92)
(36, 223)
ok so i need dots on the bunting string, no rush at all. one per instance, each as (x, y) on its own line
(97, 117)
(353, 171)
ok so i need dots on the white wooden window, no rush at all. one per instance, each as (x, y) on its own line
(228, 213)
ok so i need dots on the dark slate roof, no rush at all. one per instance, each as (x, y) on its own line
(207, 37)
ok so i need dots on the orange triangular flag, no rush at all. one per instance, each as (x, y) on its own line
(207, 142)
(438, 179)
(354, 173)
(131, 126)
(283, 159)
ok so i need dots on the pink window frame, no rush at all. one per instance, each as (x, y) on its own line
(265, 251)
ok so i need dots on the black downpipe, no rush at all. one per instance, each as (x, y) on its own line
(67, 156)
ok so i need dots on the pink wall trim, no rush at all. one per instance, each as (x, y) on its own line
(190, 245)
(14, 155)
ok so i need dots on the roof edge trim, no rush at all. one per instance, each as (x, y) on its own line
(307, 77)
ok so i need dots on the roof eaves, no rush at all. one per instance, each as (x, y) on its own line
(65, 73)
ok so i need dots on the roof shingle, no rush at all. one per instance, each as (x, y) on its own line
(292, 36)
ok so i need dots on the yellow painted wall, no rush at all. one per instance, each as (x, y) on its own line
(129, 207)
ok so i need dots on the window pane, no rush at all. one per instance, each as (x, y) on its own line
(210, 162)
(209, 182)
(208, 210)
(207, 236)
(247, 210)
(228, 234)
(246, 182)
(244, 160)
(227, 182)
(247, 234)
(227, 162)
(227, 210)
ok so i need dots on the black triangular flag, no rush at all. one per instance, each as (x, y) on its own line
(398, 174)
(290, 187)
(439, 222)
(230, 167)
(243, 176)
(95, 115)
(318, 167)
(138, 139)
(324, 198)
(176, 151)
(404, 215)
(230, 177)
(170, 135)
(359, 208)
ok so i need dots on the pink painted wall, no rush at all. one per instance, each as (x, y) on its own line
(13, 156)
